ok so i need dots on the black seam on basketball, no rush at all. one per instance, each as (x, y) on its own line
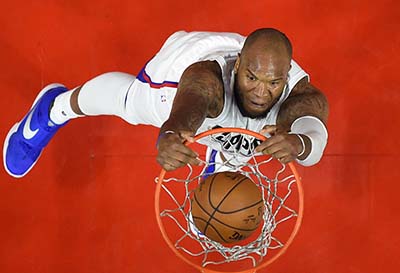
(211, 226)
(200, 206)
(209, 201)
(222, 200)
(234, 211)
(226, 195)
(216, 219)
(233, 227)
(209, 191)
(218, 233)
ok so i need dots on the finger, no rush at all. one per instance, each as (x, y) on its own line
(174, 163)
(170, 164)
(278, 150)
(285, 142)
(260, 148)
(180, 148)
(165, 164)
(187, 135)
(286, 159)
(174, 154)
(268, 143)
(169, 167)
(280, 155)
(268, 129)
(183, 154)
(196, 161)
(275, 151)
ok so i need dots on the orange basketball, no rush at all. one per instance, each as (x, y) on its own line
(227, 207)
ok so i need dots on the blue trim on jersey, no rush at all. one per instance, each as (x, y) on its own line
(145, 78)
(211, 164)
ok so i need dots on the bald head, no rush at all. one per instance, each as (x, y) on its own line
(268, 40)
(262, 71)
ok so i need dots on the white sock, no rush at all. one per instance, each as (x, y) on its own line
(106, 94)
(61, 110)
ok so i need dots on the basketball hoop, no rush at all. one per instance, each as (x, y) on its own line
(282, 196)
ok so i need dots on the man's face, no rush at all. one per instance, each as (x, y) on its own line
(260, 81)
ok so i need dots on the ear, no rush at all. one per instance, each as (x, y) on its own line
(237, 63)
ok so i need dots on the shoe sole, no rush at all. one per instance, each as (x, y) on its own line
(15, 128)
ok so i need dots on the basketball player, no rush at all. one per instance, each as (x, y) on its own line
(196, 82)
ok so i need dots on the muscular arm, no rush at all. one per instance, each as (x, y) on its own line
(304, 100)
(199, 95)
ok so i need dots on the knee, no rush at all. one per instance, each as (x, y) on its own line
(105, 94)
(112, 79)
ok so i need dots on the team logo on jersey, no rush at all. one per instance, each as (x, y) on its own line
(235, 143)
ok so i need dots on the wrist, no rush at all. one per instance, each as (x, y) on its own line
(163, 134)
(314, 135)
(171, 126)
(307, 147)
(302, 147)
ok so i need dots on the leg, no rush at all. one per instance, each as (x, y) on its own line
(53, 107)
(104, 95)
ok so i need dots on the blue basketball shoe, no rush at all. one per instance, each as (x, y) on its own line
(26, 139)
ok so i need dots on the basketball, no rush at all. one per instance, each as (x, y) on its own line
(227, 207)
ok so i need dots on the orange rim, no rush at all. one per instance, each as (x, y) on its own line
(262, 265)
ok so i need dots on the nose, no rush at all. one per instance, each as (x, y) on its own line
(261, 90)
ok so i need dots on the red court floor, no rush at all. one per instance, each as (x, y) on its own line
(87, 206)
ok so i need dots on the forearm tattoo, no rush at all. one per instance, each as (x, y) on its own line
(307, 100)
(199, 95)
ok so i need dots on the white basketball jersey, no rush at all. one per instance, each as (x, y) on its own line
(161, 75)
(156, 84)
(232, 117)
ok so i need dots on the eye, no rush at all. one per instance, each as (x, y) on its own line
(251, 77)
(275, 83)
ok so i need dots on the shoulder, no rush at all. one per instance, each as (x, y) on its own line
(210, 69)
(205, 78)
(303, 86)
(304, 99)
(206, 75)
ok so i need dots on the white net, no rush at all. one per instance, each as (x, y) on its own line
(279, 188)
